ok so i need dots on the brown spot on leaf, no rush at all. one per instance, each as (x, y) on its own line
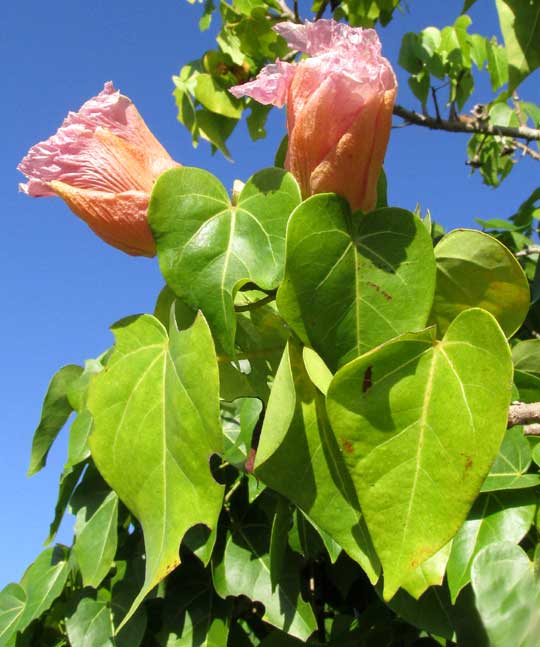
(347, 446)
(378, 289)
(366, 384)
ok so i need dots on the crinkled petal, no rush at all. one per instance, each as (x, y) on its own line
(322, 35)
(106, 145)
(271, 85)
(117, 218)
(333, 101)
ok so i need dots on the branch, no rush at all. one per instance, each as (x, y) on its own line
(255, 304)
(529, 251)
(322, 9)
(522, 413)
(466, 125)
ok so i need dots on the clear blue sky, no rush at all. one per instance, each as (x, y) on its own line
(61, 286)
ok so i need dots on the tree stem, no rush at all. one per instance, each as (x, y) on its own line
(466, 124)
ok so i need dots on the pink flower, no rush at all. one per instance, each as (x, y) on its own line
(103, 161)
(339, 108)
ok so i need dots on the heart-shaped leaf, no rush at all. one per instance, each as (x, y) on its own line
(298, 456)
(12, 603)
(245, 570)
(156, 423)
(509, 471)
(495, 517)
(507, 595)
(208, 247)
(353, 281)
(475, 270)
(431, 414)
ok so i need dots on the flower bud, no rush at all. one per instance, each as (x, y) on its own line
(103, 161)
(339, 108)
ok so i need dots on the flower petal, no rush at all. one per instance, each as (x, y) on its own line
(106, 145)
(352, 167)
(271, 86)
(117, 218)
(322, 35)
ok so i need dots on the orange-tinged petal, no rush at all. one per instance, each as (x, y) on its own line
(117, 218)
(352, 167)
(103, 161)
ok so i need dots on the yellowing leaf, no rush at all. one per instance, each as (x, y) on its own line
(156, 424)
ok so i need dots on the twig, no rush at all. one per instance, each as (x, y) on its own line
(436, 104)
(321, 10)
(287, 13)
(517, 109)
(522, 413)
(255, 304)
(531, 430)
(466, 125)
(527, 150)
(296, 12)
(529, 250)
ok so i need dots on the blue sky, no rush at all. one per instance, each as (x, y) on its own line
(61, 286)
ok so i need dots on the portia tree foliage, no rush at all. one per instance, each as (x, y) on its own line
(325, 433)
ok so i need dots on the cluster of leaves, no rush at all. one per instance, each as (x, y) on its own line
(447, 57)
(245, 43)
(434, 58)
(306, 442)
(302, 445)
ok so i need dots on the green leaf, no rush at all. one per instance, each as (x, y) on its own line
(435, 614)
(206, 18)
(279, 538)
(261, 336)
(239, 419)
(382, 190)
(279, 639)
(12, 604)
(476, 270)
(520, 26)
(54, 413)
(509, 471)
(281, 152)
(215, 98)
(375, 279)
(43, 581)
(414, 417)
(298, 457)
(318, 372)
(494, 517)
(467, 4)
(420, 85)
(429, 573)
(497, 64)
(528, 385)
(208, 248)
(410, 53)
(68, 481)
(193, 615)
(78, 449)
(478, 50)
(78, 388)
(157, 399)
(125, 584)
(245, 570)
(90, 625)
(256, 120)
(96, 540)
(526, 356)
(507, 595)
